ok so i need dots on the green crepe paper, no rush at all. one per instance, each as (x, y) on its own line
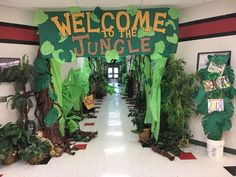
(200, 95)
(74, 9)
(172, 39)
(110, 55)
(56, 55)
(41, 65)
(73, 55)
(171, 23)
(47, 48)
(142, 33)
(51, 117)
(62, 123)
(94, 17)
(132, 10)
(153, 108)
(174, 13)
(62, 39)
(40, 17)
(42, 82)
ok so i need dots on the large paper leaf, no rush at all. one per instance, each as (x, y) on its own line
(46, 48)
(62, 126)
(172, 39)
(74, 9)
(42, 82)
(40, 17)
(41, 65)
(200, 95)
(72, 126)
(111, 54)
(51, 117)
(174, 13)
(132, 10)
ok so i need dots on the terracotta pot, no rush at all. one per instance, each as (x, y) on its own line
(10, 158)
(145, 135)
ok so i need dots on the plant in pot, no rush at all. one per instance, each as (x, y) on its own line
(178, 90)
(214, 101)
(35, 152)
(10, 136)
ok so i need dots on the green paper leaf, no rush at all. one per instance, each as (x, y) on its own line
(160, 46)
(132, 10)
(99, 12)
(200, 95)
(172, 39)
(74, 9)
(142, 33)
(51, 117)
(73, 126)
(110, 55)
(41, 65)
(73, 55)
(62, 124)
(56, 55)
(40, 17)
(94, 17)
(171, 23)
(62, 39)
(174, 13)
(46, 48)
(42, 82)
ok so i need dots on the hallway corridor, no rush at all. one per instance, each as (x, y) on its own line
(115, 152)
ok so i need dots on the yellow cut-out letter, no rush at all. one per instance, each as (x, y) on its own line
(63, 28)
(141, 19)
(157, 22)
(78, 22)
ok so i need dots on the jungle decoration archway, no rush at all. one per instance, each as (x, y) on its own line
(110, 34)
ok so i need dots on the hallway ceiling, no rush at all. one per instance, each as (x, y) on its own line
(90, 4)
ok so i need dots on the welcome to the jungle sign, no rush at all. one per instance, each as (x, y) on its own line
(113, 34)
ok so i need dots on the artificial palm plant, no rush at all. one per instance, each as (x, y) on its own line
(21, 75)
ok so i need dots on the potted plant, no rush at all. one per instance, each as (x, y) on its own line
(10, 134)
(177, 104)
(35, 152)
(214, 101)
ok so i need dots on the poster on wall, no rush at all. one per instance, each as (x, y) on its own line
(66, 35)
(209, 85)
(214, 68)
(223, 82)
(89, 102)
(215, 105)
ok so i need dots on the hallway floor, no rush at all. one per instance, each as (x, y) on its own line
(116, 152)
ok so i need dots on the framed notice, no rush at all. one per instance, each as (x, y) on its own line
(202, 58)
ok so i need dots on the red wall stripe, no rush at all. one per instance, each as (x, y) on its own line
(19, 34)
(208, 28)
(214, 27)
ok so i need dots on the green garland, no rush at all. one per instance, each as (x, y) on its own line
(216, 121)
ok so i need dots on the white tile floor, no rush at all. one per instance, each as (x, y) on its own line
(117, 153)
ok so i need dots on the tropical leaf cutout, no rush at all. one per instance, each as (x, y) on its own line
(42, 82)
(46, 48)
(40, 17)
(72, 126)
(51, 117)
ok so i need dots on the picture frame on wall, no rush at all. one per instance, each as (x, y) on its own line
(202, 58)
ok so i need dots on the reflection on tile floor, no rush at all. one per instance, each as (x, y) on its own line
(117, 153)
